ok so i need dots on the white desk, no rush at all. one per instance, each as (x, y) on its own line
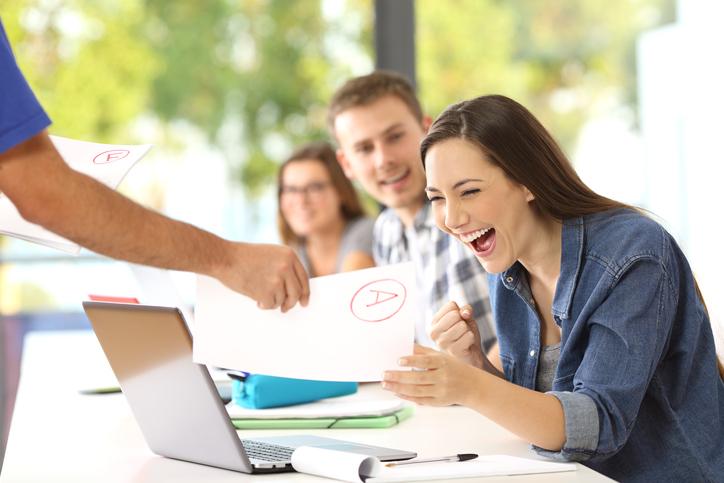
(60, 435)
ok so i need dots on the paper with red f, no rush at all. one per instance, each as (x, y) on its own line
(107, 163)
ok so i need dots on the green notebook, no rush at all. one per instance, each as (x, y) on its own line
(327, 423)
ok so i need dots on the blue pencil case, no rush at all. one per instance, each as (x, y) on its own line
(257, 391)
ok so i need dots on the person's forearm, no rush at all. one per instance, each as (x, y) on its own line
(47, 192)
(111, 224)
(83, 210)
(534, 416)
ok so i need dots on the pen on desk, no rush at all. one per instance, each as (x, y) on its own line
(457, 457)
(100, 390)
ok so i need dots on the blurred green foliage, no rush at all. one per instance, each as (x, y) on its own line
(255, 75)
(85, 61)
(567, 61)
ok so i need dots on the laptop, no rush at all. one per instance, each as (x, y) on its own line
(175, 401)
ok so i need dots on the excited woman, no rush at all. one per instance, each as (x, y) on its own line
(606, 355)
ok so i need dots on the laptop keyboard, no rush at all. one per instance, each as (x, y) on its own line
(266, 451)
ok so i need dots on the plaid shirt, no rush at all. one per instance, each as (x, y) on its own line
(445, 269)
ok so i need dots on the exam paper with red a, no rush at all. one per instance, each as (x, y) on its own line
(356, 326)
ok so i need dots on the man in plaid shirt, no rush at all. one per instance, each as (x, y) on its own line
(378, 123)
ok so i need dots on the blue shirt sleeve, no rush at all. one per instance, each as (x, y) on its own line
(21, 115)
(628, 335)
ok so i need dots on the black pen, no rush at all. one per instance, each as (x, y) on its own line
(457, 457)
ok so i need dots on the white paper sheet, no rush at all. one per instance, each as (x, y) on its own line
(357, 325)
(339, 465)
(158, 288)
(108, 163)
(353, 467)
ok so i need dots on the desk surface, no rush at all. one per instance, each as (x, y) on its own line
(60, 435)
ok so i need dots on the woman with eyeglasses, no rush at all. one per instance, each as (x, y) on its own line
(320, 215)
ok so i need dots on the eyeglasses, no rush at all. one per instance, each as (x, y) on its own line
(312, 189)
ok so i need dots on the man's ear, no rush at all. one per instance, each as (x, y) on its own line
(426, 123)
(344, 163)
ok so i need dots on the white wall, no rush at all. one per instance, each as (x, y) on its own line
(681, 92)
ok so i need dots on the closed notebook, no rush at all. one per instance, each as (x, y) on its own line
(346, 422)
(335, 408)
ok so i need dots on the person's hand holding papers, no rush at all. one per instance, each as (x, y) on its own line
(446, 375)
(271, 274)
(82, 212)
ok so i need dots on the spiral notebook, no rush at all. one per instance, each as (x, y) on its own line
(352, 467)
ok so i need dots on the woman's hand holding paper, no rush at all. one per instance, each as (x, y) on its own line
(443, 380)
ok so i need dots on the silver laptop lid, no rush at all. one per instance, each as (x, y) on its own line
(149, 349)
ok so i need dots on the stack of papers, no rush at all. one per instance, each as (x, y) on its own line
(107, 163)
(344, 412)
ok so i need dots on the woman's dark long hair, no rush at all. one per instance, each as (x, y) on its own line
(514, 140)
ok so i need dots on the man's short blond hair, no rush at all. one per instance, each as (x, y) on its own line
(366, 89)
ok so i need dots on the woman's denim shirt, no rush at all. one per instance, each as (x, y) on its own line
(637, 375)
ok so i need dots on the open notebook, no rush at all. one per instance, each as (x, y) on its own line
(359, 468)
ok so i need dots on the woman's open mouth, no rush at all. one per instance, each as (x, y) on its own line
(482, 241)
